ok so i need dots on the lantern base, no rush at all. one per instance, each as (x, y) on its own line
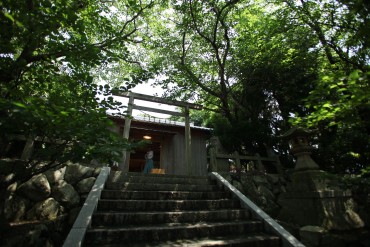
(313, 199)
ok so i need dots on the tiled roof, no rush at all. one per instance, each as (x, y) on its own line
(163, 122)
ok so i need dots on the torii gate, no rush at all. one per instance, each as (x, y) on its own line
(124, 165)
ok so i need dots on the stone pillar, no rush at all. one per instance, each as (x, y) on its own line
(219, 165)
(311, 198)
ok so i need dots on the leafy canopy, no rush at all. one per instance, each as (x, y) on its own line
(50, 53)
(260, 67)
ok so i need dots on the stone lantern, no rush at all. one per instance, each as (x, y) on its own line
(312, 197)
(301, 149)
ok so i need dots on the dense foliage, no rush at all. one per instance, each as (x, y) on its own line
(51, 54)
(261, 67)
(258, 68)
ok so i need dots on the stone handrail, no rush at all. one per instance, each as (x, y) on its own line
(270, 225)
(76, 235)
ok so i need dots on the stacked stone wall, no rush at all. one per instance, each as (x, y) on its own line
(42, 210)
(265, 190)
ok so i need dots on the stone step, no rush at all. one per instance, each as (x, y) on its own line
(158, 217)
(156, 178)
(245, 240)
(162, 195)
(165, 205)
(165, 210)
(169, 231)
(140, 174)
(160, 187)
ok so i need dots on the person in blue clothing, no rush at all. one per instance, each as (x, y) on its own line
(148, 162)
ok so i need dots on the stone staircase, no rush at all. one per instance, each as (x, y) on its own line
(166, 210)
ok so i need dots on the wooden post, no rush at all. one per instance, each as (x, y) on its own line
(213, 159)
(28, 149)
(260, 166)
(124, 166)
(237, 160)
(279, 168)
(188, 142)
(213, 154)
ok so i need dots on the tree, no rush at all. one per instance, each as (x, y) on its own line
(338, 105)
(258, 66)
(218, 52)
(49, 54)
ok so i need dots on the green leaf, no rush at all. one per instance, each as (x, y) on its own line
(19, 104)
(355, 75)
(9, 16)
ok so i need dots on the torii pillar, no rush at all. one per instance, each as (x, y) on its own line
(124, 165)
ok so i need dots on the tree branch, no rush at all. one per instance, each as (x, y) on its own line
(195, 79)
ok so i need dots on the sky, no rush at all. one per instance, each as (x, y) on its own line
(148, 90)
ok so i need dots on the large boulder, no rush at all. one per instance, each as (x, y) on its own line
(96, 172)
(259, 179)
(364, 214)
(38, 236)
(75, 173)
(15, 207)
(251, 190)
(65, 194)
(36, 189)
(264, 191)
(273, 178)
(54, 176)
(312, 235)
(45, 210)
(85, 185)
(27, 235)
(353, 219)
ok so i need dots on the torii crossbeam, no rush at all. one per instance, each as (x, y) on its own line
(131, 106)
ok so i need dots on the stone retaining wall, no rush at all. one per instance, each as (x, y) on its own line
(43, 209)
(265, 191)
